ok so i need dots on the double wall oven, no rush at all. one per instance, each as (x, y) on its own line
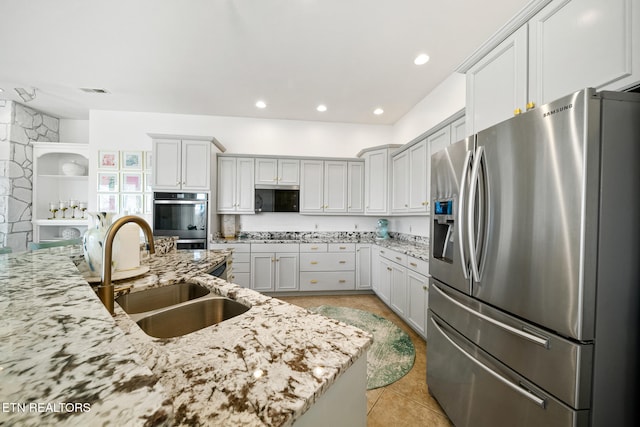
(184, 215)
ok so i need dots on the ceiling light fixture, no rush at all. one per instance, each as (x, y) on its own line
(378, 111)
(261, 104)
(25, 94)
(322, 108)
(421, 59)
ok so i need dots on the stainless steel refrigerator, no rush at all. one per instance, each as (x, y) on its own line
(535, 261)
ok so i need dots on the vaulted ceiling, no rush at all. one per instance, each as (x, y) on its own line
(219, 57)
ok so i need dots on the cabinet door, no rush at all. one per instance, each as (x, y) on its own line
(398, 292)
(375, 182)
(226, 184)
(288, 172)
(435, 143)
(375, 268)
(245, 187)
(458, 130)
(262, 271)
(311, 186)
(196, 165)
(417, 288)
(335, 186)
(400, 183)
(166, 164)
(363, 266)
(418, 177)
(286, 272)
(355, 198)
(578, 44)
(266, 171)
(497, 84)
(384, 279)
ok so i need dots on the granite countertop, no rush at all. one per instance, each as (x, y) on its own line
(60, 345)
(417, 249)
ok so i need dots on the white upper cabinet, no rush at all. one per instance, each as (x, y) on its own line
(181, 165)
(236, 192)
(497, 84)
(560, 48)
(355, 198)
(277, 171)
(324, 186)
(582, 43)
(400, 182)
(376, 180)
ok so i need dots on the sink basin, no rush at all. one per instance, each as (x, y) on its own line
(190, 317)
(155, 298)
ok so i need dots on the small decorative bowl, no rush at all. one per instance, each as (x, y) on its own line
(70, 233)
(73, 169)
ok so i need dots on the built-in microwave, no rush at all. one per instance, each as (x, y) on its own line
(277, 199)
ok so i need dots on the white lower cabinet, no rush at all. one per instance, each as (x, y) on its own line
(363, 266)
(327, 267)
(239, 271)
(417, 297)
(274, 267)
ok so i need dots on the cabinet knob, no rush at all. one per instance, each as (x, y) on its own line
(424, 203)
(389, 268)
(406, 206)
(531, 106)
(517, 112)
(424, 287)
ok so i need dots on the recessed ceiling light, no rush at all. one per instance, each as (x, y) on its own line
(261, 104)
(322, 108)
(378, 111)
(421, 59)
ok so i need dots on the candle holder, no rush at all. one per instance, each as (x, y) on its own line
(63, 208)
(73, 204)
(53, 208)
(83, 208)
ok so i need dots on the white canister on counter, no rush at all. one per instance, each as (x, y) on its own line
(128, 255)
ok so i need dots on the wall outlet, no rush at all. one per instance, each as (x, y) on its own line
(355, 227)
(316, 226)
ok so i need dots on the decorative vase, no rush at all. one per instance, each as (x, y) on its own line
(382, 230)
(93, 242)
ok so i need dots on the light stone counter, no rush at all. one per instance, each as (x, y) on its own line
(265, 367)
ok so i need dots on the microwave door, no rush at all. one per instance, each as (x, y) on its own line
(450, 174)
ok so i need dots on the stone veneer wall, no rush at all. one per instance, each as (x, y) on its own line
(19, 126)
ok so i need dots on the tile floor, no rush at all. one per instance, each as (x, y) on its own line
(405, 403)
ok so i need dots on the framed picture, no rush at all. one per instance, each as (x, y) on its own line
(131, 160)
(108, 202)
(107, 159)
(147, 160)
(131, 203)
(108, 182)
(131, 182)
(148, 182)
(148, 203)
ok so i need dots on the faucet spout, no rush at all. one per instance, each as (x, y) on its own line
(106, 290)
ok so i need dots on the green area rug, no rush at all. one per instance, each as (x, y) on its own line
(392, 353)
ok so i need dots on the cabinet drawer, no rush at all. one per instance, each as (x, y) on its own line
(394, 256)
(274, 247)
(342, 247)
(327, 281)
(419, 265)
(241, 257)
(313, 247)
(242, 267)
(239, 248)
(327, 262)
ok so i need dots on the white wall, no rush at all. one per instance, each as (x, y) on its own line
(76, 131)
(444, 101)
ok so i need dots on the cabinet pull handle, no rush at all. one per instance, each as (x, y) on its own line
(343, 262)
(413, 264)
(343, 247)
(313, 281)
(342, 281)
(314, 262)
(398, 258)
(313, 248)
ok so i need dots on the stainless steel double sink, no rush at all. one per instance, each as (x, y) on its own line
(179, 309)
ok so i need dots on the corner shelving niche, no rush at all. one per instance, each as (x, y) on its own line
(51, 184)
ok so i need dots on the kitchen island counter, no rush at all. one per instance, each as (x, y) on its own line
(267, 366)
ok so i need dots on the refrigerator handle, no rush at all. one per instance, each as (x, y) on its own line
(515, 387)
(460, 221)
(473, 185)
(529, 336)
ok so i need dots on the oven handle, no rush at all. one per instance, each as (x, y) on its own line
(179, 202)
